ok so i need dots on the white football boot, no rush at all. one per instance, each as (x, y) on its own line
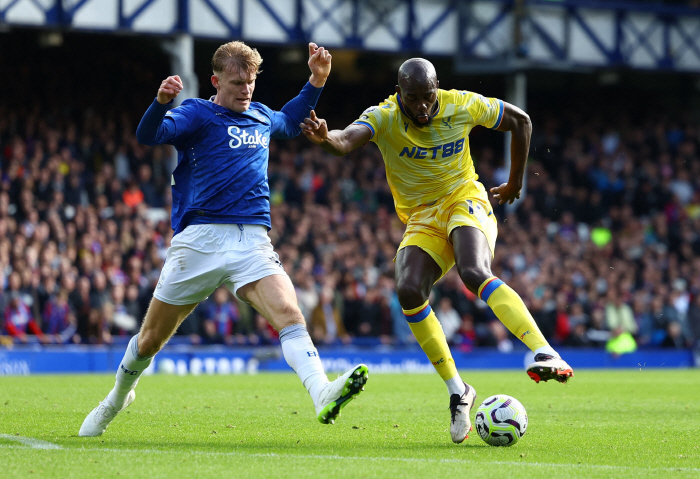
(337, 394)
(99, 418)
(548, 367)
(460, 408)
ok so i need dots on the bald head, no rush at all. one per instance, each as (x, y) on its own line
(418, 90)
(417, 72)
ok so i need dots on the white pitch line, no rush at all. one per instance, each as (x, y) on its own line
(31, 442)
(38, 444)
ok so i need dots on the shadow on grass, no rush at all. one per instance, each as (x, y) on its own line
(264, 446)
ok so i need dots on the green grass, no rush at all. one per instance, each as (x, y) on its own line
(628, 423)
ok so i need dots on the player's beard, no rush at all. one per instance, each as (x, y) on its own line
(414, 118)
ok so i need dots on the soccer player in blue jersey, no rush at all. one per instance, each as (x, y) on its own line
(220, 217)
(423, 135)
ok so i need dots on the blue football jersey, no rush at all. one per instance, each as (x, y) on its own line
(221, 175)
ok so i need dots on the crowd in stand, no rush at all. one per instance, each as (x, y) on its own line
(604, 249)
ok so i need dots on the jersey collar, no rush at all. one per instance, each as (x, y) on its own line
(251, 112)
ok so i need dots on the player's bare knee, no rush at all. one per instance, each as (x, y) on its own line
(473, 277)
(287, 315)
(150, 343)
(411, 295)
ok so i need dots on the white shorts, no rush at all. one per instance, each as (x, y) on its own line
(203, 257)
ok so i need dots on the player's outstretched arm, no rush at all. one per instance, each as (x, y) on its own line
(286, 122)
(518, 123)
(336, 142)
(319, 64)
(150, 131)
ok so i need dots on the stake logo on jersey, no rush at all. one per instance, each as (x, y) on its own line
(426, 164)
(221, 174)
(242, 137)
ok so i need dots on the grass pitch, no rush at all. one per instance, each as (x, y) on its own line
(631, 423)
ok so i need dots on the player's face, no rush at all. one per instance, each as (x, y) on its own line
(419, 101)
(234, 89)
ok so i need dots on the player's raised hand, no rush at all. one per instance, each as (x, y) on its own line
(319, 64)
(315, 128)
(169, 89)
(506, 193)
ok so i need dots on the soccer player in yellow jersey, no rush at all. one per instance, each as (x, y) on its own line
(422, 133)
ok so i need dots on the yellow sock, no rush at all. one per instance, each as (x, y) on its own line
(428, 331)
(510, 309)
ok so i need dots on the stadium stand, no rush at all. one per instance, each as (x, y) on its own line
(604, 249)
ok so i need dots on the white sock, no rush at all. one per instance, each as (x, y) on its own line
(547, 350)
(455, 385)
(301, 355)
(131, 367)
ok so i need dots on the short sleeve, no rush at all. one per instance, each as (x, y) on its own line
(374, 118)
(484, 111)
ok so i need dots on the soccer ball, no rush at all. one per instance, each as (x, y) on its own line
(501, 420)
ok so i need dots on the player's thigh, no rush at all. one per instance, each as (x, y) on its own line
(161, 322)
(274, 297)
(471, 248)
(427, 231)
(257, 277)
(472, 229)
(416, 272)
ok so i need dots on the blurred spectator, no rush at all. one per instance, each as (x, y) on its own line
(210, 334)
(501, 335)
(466, 336)
(221, 318)
(401, 330)
(147, 188)
(59, 321)
(263, 332)
(577, 316)
(618, 315)
(563, 325)
(133, 196)
(674, 336)
(449, 318)
(620, 320)
(371, 316)
(326, 321)
(132, 304)
(80, 299)
(694, 319)
(598, 333)
(307, 296)
(18, 320)
(579, 337)
(123, 322)
(663, 314)
(643, 318)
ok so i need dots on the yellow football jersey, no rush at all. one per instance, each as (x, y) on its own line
(425, 164)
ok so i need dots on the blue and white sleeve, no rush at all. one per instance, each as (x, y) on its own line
(285, 123)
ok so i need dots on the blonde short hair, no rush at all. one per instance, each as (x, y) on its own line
(236, 56)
